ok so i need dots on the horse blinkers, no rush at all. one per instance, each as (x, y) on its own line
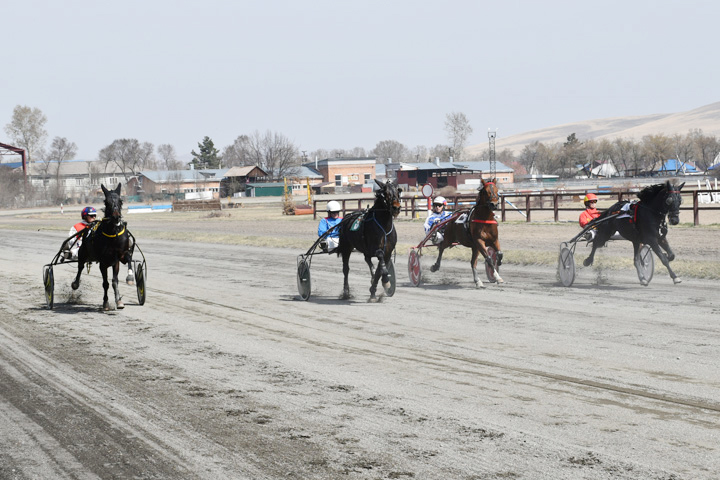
(492, 193)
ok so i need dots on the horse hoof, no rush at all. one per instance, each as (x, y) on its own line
(130, 280)
(106, 306)
(587, 262)
(74, 285)
(677, 280)
(480, 285)
(499, 280)
(120, 305)
(434, 268)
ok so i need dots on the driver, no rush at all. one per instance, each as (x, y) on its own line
(437, 215)
(332, 241)
(88, 216)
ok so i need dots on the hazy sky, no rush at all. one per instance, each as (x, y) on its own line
(340, 74)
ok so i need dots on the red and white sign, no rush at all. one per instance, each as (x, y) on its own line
(427, 190)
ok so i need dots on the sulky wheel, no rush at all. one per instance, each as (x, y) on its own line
(414, 270)
(303, 279)
(566, 266)
(645, 265)
(49, 282)
(391, 275)
(490, 267)
(140, 275)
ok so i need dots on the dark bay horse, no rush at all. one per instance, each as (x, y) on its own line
(373, 234)
(479, 231)
(108, 243)
(644, 222)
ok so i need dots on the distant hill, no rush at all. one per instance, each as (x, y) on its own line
(705, 118)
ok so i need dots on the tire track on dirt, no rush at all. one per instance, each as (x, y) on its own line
(381, 348)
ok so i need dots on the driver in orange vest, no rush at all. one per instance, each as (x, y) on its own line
(88, 216)
(590, 212)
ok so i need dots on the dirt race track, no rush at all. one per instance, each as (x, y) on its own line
(226, 373)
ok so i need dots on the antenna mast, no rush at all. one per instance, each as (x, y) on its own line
(493, 162)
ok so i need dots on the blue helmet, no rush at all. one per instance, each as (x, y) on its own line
(88, 211)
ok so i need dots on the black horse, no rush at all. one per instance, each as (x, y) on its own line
(373, 234)
(644, 222)
(107, 242)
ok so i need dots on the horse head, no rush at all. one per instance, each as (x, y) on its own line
(488, 194)
(113, 202)
(389, 196)
(673, 200)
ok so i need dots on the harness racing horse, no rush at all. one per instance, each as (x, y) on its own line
(644, 223)
(479, 231)
(373, 234)
(108, 243)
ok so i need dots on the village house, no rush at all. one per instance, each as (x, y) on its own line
(346, 174)
(191, 183)
(455, 174)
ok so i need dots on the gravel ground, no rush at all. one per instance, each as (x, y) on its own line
(226, 373)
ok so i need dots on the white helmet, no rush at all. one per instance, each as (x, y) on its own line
(333, 206)
(440, 200)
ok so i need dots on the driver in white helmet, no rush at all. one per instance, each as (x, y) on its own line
(333, 239)
(437, 215)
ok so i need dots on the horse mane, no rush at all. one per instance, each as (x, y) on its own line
(650, 192)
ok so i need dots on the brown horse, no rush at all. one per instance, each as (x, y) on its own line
(479, 231)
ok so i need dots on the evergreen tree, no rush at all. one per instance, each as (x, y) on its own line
(208, 156)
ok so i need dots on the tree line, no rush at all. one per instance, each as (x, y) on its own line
(634, 157)
(279, 156)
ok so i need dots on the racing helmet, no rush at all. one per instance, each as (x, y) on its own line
(333, 206)
(440, 200)
(87, 211)
(588, 197)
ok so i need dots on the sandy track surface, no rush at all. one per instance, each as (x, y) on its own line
(225, 373)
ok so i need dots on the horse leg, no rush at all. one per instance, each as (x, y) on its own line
(106, 285)
(473, 265)
(601, 237)
(382, 267)
(346, 271)
(496, 246)
(130, 279)
(666, 246)
(665, 261)
(76, 283)
(368, 260)
(115, 284)
(436, 266)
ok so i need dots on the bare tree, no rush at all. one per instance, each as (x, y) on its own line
(529, 157)
(27, 130)
(439, 151)
(61, 150)
(236, 154)
(706, 148)
(683, 147)
(273, 152)
(129, 155)
(168, 157)
(459, 130)
(656, 150)
(388, 151)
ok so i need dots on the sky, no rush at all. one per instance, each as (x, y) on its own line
(338, 74)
